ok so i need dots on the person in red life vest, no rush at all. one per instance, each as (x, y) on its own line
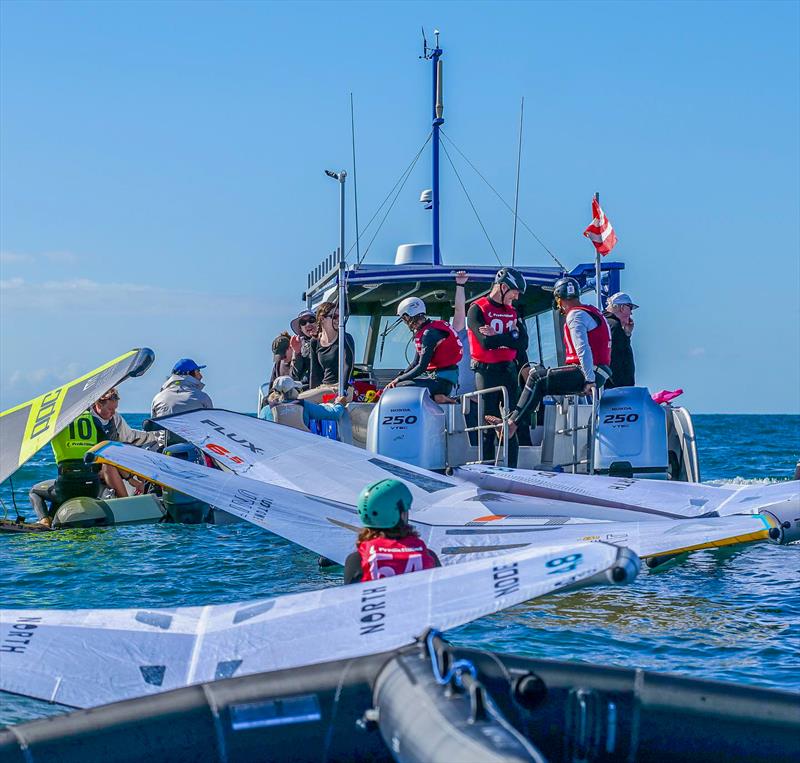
(439, 350)
(587, 341)
(388, 545)
(498, 340)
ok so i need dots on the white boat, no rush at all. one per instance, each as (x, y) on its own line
(623, 433)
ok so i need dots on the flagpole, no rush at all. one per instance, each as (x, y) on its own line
(597, 267)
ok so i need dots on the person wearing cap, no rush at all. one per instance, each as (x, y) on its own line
(304, 329)
(619, 314)
(283, 406)
(498, 341)
(438, 352)
(587, 342)
(388, 545)
(78, 479)
(182, 391)
(281, 357)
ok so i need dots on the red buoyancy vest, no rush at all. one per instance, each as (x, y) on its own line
(449, 350)
(599, 338)
(502, 319)
(387, 557)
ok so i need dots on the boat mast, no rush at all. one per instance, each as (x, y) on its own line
(438, 109)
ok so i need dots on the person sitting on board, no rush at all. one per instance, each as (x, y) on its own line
(438, 352)
(388, 545)
(619, 314)
(496, 337)
(78, 479)
(281, 357)
(182, 391)
(324, 373)
(283, 406)
(587, 340)
(304, 329)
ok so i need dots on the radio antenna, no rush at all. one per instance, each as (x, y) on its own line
(355, 185)
(516, 198)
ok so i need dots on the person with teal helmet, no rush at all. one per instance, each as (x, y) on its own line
(388, 545)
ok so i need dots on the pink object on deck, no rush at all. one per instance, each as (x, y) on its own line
(666, 395)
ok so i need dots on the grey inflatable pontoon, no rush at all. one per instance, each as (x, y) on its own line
(428, 702)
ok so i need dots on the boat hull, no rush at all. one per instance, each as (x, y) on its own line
(569, 711)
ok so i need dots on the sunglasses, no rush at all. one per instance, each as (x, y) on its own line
(108, 397)
(333, 316)
(306, 321)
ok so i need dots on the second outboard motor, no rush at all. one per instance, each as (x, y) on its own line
(631, 435)
(180, 507)
(407, 425)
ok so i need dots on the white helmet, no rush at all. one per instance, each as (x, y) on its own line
(411, 306)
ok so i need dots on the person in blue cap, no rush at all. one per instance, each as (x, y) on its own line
(182, 391)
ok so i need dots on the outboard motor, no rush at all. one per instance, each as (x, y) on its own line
(631, 435)
(180, 507)
(407, 425)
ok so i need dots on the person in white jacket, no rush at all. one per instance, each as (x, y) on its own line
(182, 391)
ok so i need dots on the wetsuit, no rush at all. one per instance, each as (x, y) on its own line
(623, 368)
(587, 341)
(494, 360)
(435, 365)
(325, 362)
(387, 557)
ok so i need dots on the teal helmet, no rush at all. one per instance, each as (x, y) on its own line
(381, 503)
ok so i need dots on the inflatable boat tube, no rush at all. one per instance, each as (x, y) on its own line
(91, 512)
(568, 711)
(423, 721)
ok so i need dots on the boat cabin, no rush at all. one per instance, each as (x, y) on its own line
(623, 432)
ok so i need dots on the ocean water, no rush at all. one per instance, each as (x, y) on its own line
(728, 614)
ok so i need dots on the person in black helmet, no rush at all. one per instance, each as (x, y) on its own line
(587, 341)
(497, 337)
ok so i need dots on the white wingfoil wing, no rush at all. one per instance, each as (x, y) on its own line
(318, 466)
(84, 658)
(330, 527)
(652, 499)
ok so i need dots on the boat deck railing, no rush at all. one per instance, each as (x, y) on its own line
(482, 426)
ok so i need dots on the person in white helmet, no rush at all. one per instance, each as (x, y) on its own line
(438, 352)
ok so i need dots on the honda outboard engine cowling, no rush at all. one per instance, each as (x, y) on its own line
(631, 435)
(407, 425)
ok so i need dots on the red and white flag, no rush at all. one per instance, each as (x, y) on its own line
(600, 232)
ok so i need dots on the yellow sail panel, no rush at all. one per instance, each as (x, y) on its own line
(27, 427)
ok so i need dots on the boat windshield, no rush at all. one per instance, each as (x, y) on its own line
(396, 350)
(542, 345)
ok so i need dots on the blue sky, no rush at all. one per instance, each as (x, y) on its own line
(161, 174)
